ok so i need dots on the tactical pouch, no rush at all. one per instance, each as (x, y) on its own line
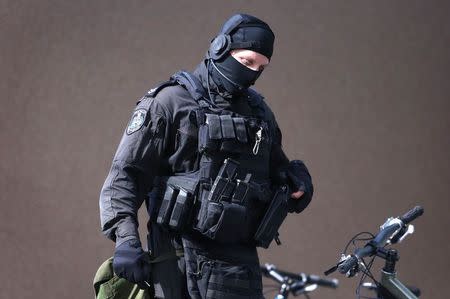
(222, 221)
(219, 218)
(222, 132)
(181, 210)
(226, 123)
(209, 133)
(165, 211)
(241, 130)
(273, 218)
(234, 132)
(231, 209)
(175, 212)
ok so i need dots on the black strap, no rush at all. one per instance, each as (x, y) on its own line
(199, 94)
(193, 86)
(166, 256)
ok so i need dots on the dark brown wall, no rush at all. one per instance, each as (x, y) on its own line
(360, 88)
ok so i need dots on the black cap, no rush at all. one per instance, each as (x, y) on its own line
(249, 32)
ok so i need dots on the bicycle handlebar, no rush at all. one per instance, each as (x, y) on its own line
(329, 283)
(301, 279)
(369, 249)
(348, 264)
(387, 230)
(411, 215)
(384, 235)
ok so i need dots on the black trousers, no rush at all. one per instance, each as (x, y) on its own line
(214, 276)
(207, 269)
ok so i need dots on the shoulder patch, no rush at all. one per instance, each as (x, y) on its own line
(137, 120)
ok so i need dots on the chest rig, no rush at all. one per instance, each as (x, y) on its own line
(226, 198)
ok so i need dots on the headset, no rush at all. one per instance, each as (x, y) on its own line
(222, 43)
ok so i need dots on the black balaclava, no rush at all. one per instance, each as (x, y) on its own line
(244, 32)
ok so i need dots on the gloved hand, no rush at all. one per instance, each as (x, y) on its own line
(132, 263)
(299, 179)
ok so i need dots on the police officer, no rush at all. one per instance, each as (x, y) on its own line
(203, 150)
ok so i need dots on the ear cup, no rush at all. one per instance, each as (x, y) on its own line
(219, 46)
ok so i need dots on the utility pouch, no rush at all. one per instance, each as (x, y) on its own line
(273, 218)
(221, 221)
(205, 143)
(181, 213)
(223, 186)
(241, 192)
(176, 208)
(241, 130)
(165, 211)
(226, 123)
(234, 132)
(224, 133)
(218, 217)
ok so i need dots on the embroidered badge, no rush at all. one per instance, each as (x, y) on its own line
(137, 120)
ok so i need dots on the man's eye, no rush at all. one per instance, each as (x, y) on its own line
(246, 62)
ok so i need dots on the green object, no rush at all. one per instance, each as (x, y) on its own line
(108, 285)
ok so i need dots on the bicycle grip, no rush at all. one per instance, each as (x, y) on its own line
(348, 264)
(411, 214)
(315, 279)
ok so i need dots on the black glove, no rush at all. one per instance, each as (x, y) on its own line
(132, 263)
(299, 179)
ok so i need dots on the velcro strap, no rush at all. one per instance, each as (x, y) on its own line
(241, 131)
(213, 121)
(227, 126)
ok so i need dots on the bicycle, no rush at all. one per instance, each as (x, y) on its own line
(394, 230)
(295, 284)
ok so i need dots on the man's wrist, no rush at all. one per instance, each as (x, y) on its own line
(126, 231)
(120, 241)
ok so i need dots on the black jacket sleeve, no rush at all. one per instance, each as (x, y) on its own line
(294, 173)
(300, 180)
(278, 159)
(136, 162)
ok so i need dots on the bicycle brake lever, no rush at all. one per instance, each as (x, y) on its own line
(401, 235)
(352, 272)
(334, 268)
(393, 221)
(409, 231)
(331, 270)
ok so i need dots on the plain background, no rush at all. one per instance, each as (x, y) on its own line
(360, 89)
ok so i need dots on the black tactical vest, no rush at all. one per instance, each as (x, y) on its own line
(227, 196)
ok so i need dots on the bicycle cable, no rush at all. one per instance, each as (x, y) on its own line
(366, 273)
(355, 238)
